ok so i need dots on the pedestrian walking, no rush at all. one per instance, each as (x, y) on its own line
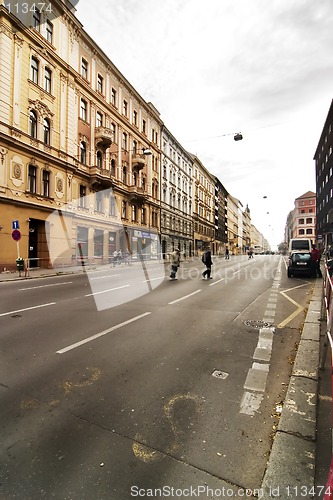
(227, 253)
(175, 262)
(315, 260)
(119, 257)
(127, 257)
(115, 258)
(207, 260)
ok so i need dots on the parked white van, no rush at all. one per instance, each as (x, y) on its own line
(300, 244)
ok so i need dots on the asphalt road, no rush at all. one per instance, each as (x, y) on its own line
(119, 382)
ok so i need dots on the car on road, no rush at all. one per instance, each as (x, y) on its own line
(300, 263)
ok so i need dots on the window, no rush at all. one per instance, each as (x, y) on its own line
(34, 69)
(124, 175)
(309, 231)
(135, 117)
(83, 110)
(84, 69)
(47, 80)
(33, 125)
(46, 131)
(113, 132)
(112, 208)
(99, 201)
(46, 183)
(135, 147)
(113, 96)
(49, 31)
(309, 220)
(99, 119)
(99, 159)
(125, 107)
(100, 84)
(143, 216)
(83, 152)
(36, 19)
(113, 167)
(143, 126)
(301, 221)
(134, 213)
(32, 179)
(123, 209)
(98, 243)
(83, 192)
(124, 141)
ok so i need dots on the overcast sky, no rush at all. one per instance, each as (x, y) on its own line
(262, 68)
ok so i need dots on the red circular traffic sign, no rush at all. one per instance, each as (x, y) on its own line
(16, 235)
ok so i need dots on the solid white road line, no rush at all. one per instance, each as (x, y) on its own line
(27, 309)
(44, 286)
(216, 282)
(104, 277)
(154, 279)
(185, 297)
(104, 332)
(106, 291)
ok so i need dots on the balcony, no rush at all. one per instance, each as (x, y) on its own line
(138, 162)
(137, 194)
(100, 179)
(103, 137)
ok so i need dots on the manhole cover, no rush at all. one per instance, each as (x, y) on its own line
(254, 323)
(219, 374)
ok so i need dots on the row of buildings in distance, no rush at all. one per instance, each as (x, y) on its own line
(87, 166)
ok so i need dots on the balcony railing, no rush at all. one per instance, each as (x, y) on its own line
(103, 137)
(138, 161)
(100, 178)
(137, 193)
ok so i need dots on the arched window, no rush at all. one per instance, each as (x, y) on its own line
(83, 152)
(33, 125)
(46, 128)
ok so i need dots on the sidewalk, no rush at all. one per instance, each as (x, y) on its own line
(60, 271)
(292, 468)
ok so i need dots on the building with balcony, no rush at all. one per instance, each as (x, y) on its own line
(203, 208)
(73, 136)
(176, 197)
(220, 218)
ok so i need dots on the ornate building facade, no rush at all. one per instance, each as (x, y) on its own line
(74, 138)
(176, 197)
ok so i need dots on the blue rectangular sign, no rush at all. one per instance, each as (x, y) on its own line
(15, 224)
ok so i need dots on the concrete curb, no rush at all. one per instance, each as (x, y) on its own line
(290, 471)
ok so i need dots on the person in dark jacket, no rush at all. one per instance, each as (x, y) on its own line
(315, 260)
(207, 260)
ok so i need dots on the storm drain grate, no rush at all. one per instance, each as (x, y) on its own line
(255, 323)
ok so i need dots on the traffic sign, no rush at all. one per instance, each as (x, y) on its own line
(16, 235)
(15, 224)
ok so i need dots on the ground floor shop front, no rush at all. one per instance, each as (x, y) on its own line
(56, 239)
